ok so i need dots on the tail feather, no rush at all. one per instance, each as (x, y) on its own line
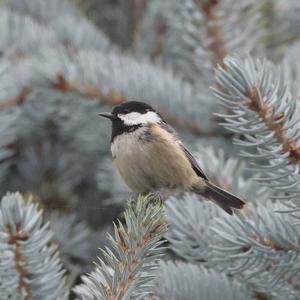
(224, 199)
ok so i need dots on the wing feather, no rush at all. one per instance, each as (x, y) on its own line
(194, 163)
(190, 157)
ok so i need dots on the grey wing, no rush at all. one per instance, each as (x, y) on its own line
(194, 163)
(191, 158)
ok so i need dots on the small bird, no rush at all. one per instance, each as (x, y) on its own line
(150, 157)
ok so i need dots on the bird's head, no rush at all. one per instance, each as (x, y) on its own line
(131, 115)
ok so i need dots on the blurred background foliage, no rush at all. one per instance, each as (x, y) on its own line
(196, 61)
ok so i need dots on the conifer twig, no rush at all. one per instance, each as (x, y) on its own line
(213, 29)
(114, 98)
(128, 266)
(35, 270)
(88, 90)
(16, 100)
(264, 111)
(262, 246)
(137, 8)
(274, 122)
(185, 281)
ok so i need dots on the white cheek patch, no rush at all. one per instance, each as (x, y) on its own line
(135, 118)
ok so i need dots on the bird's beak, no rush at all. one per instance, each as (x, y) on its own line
(107, 115)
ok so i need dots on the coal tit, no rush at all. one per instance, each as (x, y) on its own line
(150, 157)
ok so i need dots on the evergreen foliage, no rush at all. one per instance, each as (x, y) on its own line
(30, 267)
(224, 73)
(129, 264)
(195, 283)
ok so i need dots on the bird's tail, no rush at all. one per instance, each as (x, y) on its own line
(224, 199)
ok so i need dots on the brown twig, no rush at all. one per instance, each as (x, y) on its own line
(88, 90)
(137, 9)
(160, 32)
(264, 242)
(122, 287)
(25, 276)
(269, 267)
(261, 296)
(213, 29)
(16, 100)
(274, 123)
(56, 202)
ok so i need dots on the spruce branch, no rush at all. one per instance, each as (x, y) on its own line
(189, 219)
(21, 36)
(45, 157)
(30, 267)
(229, 173)
(264, 110)
(153, 27)
(73, 238)
(292, 67)
(26, 29)
(262, 249)
(279, 27)
(259, 247)
(128, 266)
(17, 100)
(86, 89)
(137, 8)
(213, 29)
(200, 33)
(104, 82)
(42, 11)
(178, 280)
